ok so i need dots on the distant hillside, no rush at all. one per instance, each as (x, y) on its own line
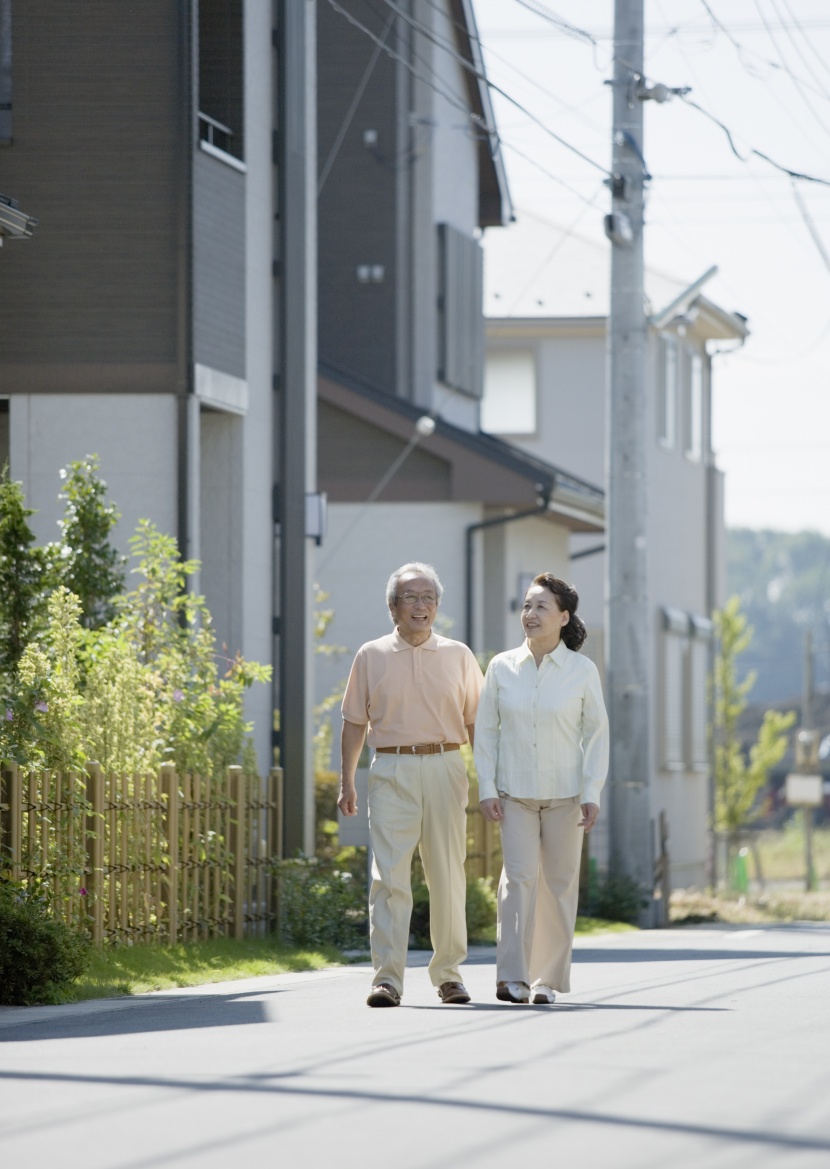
(783, 580)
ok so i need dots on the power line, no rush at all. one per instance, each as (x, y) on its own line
(783, 58)
(352, 110)
(752, 150)
(471, 68)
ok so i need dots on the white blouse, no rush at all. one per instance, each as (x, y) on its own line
(541, 734)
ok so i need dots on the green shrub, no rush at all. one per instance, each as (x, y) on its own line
(320, 905)
(480, 906)
(39, 955)
(617, 897)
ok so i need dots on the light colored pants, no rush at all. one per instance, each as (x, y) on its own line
(534, 940)
(418, 801)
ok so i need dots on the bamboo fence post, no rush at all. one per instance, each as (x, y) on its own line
(95, 848)
(275, 776)
(170, 789)
(13, 817)
(238, 794)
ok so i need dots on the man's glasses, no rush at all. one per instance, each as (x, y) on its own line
(413, 598)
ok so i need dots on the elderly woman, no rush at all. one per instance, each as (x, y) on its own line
(541, 752)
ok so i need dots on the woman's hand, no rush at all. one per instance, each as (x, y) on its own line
(492, 810)
(589, 816)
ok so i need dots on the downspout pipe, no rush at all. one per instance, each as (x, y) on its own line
(497, 521)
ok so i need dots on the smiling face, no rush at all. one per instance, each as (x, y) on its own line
(414, 617)
(542, 619)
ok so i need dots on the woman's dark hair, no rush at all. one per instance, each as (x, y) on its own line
(567, 598)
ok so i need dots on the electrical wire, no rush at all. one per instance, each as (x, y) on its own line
(471, 68)
(807, 40)
(557, 247)
(811, 227)
(756, 74)
(791, 37)
(794, 174)
(799, 88)
(491, 53)
(352, 110)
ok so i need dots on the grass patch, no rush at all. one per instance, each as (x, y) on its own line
(597, 925)
(692, 907)
(125, 970)
(781, 853)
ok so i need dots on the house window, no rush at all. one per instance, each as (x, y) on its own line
(667, 391)
(221, 103)
(699, 663)
(693, 404)
(460, 313)
(5, 72)
(509, 402)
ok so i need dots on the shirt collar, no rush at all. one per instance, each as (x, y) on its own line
(557, 655)
(400, 643)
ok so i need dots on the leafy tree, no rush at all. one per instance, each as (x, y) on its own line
(738, 777)
(24, 576)
(783, 581)
(200, 723)
(88, 564)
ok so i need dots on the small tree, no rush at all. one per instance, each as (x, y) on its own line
(88, 564)
(24, 576)
(738, 778)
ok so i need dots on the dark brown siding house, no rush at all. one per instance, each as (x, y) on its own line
(162, 315)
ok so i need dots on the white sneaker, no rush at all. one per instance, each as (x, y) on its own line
(543, 995)
(513, 992)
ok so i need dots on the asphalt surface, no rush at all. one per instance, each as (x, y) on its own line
(695, 1047)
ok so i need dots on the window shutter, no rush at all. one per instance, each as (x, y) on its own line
(460, 313)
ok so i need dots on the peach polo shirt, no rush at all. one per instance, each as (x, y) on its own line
(413, 694)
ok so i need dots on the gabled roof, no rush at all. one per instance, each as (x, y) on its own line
(536, 269)
(455, 464)
(494, 206)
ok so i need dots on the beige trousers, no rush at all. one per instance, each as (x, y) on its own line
(418, 801)
(538, 891)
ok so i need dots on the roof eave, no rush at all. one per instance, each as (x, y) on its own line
(495, 208)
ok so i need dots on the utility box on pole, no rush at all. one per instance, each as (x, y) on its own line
(629, 655)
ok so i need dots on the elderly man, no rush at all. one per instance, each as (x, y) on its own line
(417, 693)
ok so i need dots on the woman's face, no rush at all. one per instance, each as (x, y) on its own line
(541, 616)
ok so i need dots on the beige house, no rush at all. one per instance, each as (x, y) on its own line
(545, 388)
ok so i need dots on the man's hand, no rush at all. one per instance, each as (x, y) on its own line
(589, 816)
(347, 798)
(492, 809)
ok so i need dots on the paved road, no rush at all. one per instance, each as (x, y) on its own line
(698, 1047)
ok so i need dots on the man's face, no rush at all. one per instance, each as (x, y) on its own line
(416, 604)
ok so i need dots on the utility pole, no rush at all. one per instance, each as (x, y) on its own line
(629, 619)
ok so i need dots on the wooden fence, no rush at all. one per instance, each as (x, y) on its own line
(483, 842)
(161, 857)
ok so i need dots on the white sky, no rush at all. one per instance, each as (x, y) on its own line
(705, 206)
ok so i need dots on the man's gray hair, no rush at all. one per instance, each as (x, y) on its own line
(414, 567)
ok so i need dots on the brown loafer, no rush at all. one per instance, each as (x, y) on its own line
(453, 992)
(383, 995)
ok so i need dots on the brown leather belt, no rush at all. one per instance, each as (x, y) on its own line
(419, 749)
